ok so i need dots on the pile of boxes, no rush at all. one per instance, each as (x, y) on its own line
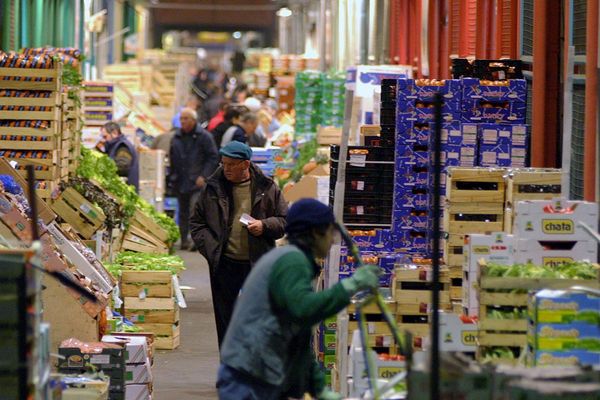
(563, 328)
(307, 102)
(332, 106)
(152, 181)
(138, 366)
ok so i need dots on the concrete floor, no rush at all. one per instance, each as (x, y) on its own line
(190, 371)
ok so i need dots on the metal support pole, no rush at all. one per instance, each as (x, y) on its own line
(591, 103)
(567, 121)
(363, 54)
(384, 56)
(323, 35)
(436, 254)
(372, 31)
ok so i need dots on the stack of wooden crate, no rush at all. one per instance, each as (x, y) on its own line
(509, 295)
(149, 302)
(144, 235)
(32, 119)
(71, 134)
(530, 184)
(134, 77)
(379, 334)
(412, 292)
(98, 103)
(474, 204)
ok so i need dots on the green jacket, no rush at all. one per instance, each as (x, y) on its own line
(270, 332)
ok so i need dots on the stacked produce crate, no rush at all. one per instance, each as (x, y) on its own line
(138, 367)
(475, 204)
(72, 129)
(32, 118)
(412, 293)
(98, 104)
(307, 102)
(134, 77)
(503, 299)
(163, 81)
(24, 341)
(152, 177)
(334, 89)
(563, 328)
(145, 235)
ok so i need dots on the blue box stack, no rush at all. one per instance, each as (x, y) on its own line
(415, 117)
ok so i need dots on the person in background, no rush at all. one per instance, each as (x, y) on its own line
(214, 101)
(240, 93)
(122, 151)
(193, 103)
(219, 117)
(231, 117)
(267, 119)
(267, 352)
(193, 158)
(230, 246)
(245, 132)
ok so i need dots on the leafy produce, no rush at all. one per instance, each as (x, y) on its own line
(145, 262)
(515, 313)
(497, 353)
(100, 168)
(574, 270)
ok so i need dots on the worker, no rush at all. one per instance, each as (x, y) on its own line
(267, 351)
(230, 246)
(193, 158)
(122, 151)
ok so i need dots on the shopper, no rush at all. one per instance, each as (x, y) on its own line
(122, 151)
(193, 159)
(245, 132)
(238, 187)
(232, 115)
(219, 117)
(267, 351)
(192, 103)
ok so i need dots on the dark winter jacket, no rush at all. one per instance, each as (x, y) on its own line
(219, 131)
(210, 224)
(191, 157)
(125, 156)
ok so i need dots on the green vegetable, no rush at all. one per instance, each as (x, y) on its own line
(574, 270)
(145, 262)
(99, 167)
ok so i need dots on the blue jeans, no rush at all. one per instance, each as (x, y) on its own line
(234, 385)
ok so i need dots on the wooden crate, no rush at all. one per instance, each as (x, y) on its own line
(44, 189)
(146, 223)
(533, 184)
(81, 214)
(50, 78)
(152, 310)
(166, 336)
(327, 135)
(151, 283)
(475, 185)
(466, 218)
(52, 104)
(372, 308)
(453, 255)
(138, 240)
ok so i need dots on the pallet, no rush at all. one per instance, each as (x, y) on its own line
(454, 222)
(151, 283)
(152, 310)
(52, 78)
(77, 211)
(490, 183)
(547, 183)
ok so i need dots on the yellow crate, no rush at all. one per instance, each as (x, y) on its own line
(461, 181)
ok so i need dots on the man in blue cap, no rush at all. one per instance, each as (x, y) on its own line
(267, 353)
(240, 214)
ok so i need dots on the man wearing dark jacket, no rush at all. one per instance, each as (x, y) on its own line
(229, 245)
(124, 154)
(193, 159)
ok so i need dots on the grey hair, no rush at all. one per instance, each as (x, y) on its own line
(191, 112)
(248, 117)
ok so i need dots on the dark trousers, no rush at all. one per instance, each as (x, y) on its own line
(187, 201)
(233, 385)
(226, 280)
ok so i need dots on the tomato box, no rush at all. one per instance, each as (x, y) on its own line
(554, 220)
(550, 253)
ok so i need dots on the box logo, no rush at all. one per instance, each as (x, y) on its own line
(558, 226)
(556, 261)
(481, 249)
(469, 338)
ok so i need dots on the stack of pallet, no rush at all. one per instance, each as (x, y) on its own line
(475, 204)
(32, 119)
(134, 77)
(412, 292)
(71, 134)
(149, 302)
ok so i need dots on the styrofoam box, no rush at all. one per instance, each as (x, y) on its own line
(532, 251)
(554, 220)
(138, 373)
(137, 392)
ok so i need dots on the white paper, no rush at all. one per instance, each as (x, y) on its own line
(246, 219)
(178, 293)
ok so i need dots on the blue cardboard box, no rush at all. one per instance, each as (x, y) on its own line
(554, 358)
(426, 114)
(410, 176)
(412, 154)
(470, 133)
(484, 111)
(409, 132)
(562, 307)
(381, 240)
(501, 155)
(409, 89)
(411, 219)
(512, 90)
(411, 197)
(411, 240)
(515, 134)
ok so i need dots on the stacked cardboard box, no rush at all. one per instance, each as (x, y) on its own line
(138, 370)
(307, 102)
(149, 303)
(152, 177)
(332, 107)
(563, 328)
(98, 109)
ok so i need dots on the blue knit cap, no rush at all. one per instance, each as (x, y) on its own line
(307, 213)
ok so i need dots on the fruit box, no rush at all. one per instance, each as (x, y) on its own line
(552, 253)
(515, 134)
(501, 155)
(498, 111)
(562, 358)
(563, 306)
(564, 337)
(512, 90)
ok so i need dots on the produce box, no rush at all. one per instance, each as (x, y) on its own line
(578, 336)
(141, 241)
(151, 310)
(563, 306)
(553, 253)
(144, 222)
(45, 74)
(533, 184)
(166, 336)
(77, 211)
(144, 284)
(475, 185)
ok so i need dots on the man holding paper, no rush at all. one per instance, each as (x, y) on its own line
(240, 214)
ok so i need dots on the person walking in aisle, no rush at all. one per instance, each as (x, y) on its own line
(232, 115)
(124, 154)
(267, 351)
(244, 132)
(193, 159)
(229, 240)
